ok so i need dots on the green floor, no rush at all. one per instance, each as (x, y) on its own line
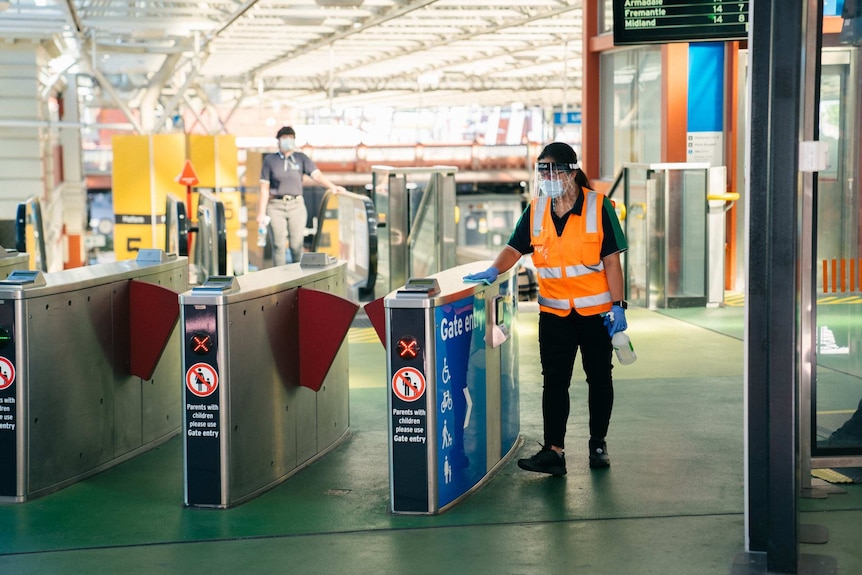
(672, 502)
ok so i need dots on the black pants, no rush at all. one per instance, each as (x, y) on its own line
(559, 341)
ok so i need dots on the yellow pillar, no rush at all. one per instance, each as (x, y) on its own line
(145, 169)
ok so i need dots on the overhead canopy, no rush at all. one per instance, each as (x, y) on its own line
(307, 54)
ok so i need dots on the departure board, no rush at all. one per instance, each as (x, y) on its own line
(663, 21)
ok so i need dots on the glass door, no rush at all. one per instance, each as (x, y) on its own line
(837, 384)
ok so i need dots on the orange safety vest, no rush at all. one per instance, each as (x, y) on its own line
(571, 273)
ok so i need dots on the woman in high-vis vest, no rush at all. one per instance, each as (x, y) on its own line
(575, 239)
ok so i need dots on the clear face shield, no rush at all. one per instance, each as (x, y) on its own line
(550, 178)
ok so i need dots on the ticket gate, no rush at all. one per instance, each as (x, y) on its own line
(453, 400)
(87, 371)
(30, 233)
(11, 260)
(416, 215)
(266, 377)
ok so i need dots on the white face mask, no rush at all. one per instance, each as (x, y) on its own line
(287, 144)
(551, 188)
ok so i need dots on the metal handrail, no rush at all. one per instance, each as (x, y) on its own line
(617, 181)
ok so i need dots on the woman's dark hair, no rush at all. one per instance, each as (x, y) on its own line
(563, 153)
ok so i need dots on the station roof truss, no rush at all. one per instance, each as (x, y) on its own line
(309, 54)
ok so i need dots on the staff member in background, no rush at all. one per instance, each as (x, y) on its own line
(576, 241)
(281, 195)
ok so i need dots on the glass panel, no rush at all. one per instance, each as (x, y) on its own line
(355, 214)
(837, 428)
(424, 244)
(606, 16)
(486, 221)
(687, 234)
(656, 252)
(665, 225)
(630, 108)
(419, 225)
(637, 234)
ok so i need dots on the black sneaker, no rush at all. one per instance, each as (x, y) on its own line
(545, 461)
(599, 455)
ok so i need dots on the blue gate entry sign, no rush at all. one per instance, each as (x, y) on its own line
(460, 402)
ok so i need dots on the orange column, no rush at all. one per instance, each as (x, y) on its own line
(674, 102)
(731, 130)
(75, 245)
(590, 117)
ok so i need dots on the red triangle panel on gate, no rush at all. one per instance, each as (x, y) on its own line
(377, 315)
(153, 312)
(324, 320)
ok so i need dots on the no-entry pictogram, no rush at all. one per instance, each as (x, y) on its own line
(202, 379)
(408, 384)
(7, 373)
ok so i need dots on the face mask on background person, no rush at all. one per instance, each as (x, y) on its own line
(287, 144)
(551, 188)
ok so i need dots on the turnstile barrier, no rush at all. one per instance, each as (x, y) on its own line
(674, 224)
(265, 382)
(453, 400)
(84, 382)
(11, 260)
(416, 207)
(30, 233)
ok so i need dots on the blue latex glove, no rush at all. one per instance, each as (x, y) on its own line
(488, 276)
(615, 320)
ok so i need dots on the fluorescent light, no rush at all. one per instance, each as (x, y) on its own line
(303, 20)
(338, 3)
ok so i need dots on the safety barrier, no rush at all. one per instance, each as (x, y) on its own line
(673, 216)
(362, 158)
(347, 229)
(842, 275)
(453, 399)
(30, 234)
(416, 207)
(87, 374)
(176, 226)
(266, 377)
(11, 260)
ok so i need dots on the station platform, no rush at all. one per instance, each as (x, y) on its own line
(670, 504)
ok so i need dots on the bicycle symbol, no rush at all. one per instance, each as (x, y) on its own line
(446, 404)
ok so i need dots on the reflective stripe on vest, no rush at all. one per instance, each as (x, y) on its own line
(593, 300)
(590, 209)
(582, 270)
(538, 214)
(571, 271)
(563, 304)
(580, 302)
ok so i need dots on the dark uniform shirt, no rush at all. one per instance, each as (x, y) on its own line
(284, 173)
(613, 239)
